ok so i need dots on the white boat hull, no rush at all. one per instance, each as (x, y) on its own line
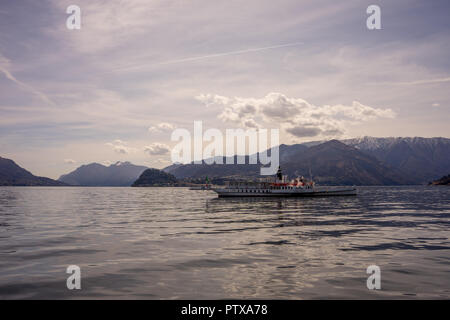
(314, 192)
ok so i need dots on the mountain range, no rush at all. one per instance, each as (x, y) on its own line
(360, 161)
(12, 174)
(331, 162)
(424, 159)
(119, 174)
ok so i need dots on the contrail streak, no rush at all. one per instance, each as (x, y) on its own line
(416, 82)
(215, 55)
(426, 81)
(231, 53)
(25, 86)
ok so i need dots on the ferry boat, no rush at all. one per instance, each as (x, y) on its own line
(279, 186)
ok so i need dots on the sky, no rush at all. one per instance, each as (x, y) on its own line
(115, 89)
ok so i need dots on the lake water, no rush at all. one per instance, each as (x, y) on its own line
(172, 243)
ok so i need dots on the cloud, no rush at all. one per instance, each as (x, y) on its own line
(106, 163)
(210, 99)
(435, 105)
(303, 131)
(157, 149)
(296, 116)
(162, 161)
(69, 161)
(120, 147)
(250, 123)
(162, 127)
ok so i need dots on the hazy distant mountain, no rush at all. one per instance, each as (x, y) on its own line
(331, 162)
(13, 175)
(155, 178)
(95, 174)
(423, 159)
(172, 167)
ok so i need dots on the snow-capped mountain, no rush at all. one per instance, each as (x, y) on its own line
(425, 159)
(373, 143)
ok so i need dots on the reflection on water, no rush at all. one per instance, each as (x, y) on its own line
(174, 243)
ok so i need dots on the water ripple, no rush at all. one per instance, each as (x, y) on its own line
(173, 243)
